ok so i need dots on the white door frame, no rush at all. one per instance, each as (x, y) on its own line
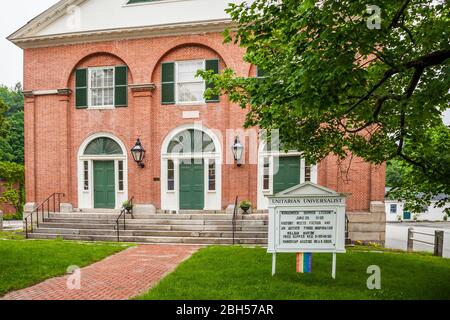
(263, 201)
(170, 199)
(86, 197)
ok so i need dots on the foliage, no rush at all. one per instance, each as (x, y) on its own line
(12, 140)
(333, 85)
(13, 98)
(237, 273)
(12, 176)
(417, 184)
(128, 205)
(12, 146)
(4, 126)
(245, 204)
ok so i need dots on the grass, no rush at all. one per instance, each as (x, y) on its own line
(24, 263)
(245, 273)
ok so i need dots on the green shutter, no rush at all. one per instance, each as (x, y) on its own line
(121, 86)
(168, 83)
(212, 65)
(81, 95)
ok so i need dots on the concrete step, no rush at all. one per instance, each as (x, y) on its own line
(158, 221)
(153, 233)
(110, 226)
(140, 239)
(199, 216)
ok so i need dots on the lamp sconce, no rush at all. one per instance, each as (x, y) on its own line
(138, 153)
(238, 150)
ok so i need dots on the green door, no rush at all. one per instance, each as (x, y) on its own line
(406, 215)
(104, 185)
(192, 189)
(288, 174)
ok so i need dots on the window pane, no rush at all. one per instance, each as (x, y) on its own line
(86, 175)
(121, 184)
(266, 179)
(307, 172)
(102, 87)
(190, 92)
(212, 175)
(187, 71)
(170, 175)
(108, 96)
(393, 208)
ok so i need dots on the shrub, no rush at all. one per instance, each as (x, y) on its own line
(12, 176)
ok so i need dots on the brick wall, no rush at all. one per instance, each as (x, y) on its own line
(55, 129)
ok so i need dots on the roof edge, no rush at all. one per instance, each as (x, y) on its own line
(193, 27)
(44, 19)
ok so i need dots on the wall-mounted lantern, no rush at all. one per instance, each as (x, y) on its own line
(238, 150)
(138, 153)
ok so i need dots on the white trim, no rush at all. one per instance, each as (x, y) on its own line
(126, 4)
(262, 200)
(170, 200)
(86, 197)
(44, 92)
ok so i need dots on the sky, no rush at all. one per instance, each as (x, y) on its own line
(17, 13)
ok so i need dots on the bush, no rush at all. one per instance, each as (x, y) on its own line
(12, 175)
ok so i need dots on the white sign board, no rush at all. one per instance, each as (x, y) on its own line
(307, 218)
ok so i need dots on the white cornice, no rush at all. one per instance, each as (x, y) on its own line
(44, 19)
(123, 33)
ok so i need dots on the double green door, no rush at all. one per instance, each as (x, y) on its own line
(104, 185)
(192, 185)
(288, 174)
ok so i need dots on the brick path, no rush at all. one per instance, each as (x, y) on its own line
(121, 276)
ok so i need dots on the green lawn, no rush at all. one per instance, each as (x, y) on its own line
(24, 263)
(245, 273)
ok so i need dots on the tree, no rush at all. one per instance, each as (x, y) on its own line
(333, 84)
(4, 126)
(416, 186)
(12, 176)
(11, 113)
(12, 145)
(13, 98)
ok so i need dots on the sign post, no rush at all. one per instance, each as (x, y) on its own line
(307, 219)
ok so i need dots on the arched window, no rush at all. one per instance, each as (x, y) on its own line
(191, 141)
(103, 146)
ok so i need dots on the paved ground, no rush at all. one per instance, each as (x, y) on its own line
(397, 234)
(121, 276)
(12, 225)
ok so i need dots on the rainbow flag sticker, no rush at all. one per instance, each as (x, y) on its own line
(304, 262)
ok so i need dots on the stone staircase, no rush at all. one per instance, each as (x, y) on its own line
(183, 228)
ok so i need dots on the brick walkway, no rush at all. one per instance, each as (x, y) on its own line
(121, 276)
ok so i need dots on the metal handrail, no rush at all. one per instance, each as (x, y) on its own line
(41, 208)
(123, 213)
(234, 219)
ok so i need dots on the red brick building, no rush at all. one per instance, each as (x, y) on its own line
(98, 75)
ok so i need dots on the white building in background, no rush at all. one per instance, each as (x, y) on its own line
(395, 211)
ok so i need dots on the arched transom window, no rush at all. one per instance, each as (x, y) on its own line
(191, 141)
(103, 146)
